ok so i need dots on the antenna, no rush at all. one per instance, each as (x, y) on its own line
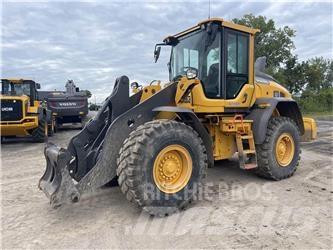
(208, 9)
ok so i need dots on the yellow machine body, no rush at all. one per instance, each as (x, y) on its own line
(218, 102)
(223, 110)
(27, 121)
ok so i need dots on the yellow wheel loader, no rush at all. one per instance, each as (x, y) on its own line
(160, 141)
(21, 113)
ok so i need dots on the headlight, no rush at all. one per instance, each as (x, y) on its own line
(191, 73)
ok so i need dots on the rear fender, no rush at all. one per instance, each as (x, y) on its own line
(263, 111)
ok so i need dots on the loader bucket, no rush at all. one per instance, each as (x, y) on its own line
(56, 182)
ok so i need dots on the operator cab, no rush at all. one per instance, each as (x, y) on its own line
(11, 87)
(218, 52)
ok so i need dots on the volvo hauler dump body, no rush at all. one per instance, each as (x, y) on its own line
(160, 140)
(21, 113)
(70, 106)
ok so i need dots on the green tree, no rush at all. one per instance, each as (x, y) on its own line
(88, 93)
(274, 43)
(292, 75)
(93, 107)
(318, 73)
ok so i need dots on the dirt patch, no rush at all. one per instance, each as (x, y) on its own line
(237, 209)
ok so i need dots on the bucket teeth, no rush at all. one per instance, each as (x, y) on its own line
(56, 182)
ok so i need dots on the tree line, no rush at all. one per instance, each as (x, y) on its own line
(310, 81)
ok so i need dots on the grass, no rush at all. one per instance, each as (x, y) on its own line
(325, 115)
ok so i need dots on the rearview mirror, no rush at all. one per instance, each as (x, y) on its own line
(37, 85)
(157, 52)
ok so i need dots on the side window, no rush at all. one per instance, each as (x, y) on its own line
(210, 69)
(232, 54)
(237, 63)
(212, 58)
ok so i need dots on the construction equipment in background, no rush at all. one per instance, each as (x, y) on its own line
(70, 106)
(21, 113)
(160, 141)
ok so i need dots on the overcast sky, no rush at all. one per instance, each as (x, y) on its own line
(93, 43)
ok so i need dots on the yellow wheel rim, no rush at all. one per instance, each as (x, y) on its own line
(284, 149)
(172, 169)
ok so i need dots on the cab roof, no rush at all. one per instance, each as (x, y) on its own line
(222, 22)
(17, 80)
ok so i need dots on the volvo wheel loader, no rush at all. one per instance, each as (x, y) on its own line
(21, 112)
(160, 141)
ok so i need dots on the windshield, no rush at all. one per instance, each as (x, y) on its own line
(199, 50)
(11, 89)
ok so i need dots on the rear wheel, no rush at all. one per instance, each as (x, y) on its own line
(40, 133)
(279, 155)
(161, 166)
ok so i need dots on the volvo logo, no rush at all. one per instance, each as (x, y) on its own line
(67, 104)
(7, 109)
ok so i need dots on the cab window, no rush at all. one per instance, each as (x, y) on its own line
(211, 73)
(237, 62)
(191, 58)
(199, 50)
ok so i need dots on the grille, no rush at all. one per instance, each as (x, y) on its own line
(11, 110)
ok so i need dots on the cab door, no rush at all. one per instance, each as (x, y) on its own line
(237, 82)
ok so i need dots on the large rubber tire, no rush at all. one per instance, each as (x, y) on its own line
(40, 133)
(268, 166)
(137, 157)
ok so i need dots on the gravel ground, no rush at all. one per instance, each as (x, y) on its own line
(237, 209)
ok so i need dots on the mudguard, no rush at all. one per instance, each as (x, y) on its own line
(263, 110)
(190, 118)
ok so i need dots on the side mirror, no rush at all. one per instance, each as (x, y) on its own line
(77, 89)
(37, 85)
(157, 52)
(134, 85)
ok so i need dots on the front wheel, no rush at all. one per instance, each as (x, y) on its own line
(279, 155)
(161, 166)
(40, 134)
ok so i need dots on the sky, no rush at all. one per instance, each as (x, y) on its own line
(93, 43)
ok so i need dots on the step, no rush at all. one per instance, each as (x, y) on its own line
(246, 136)
(249, 151)
(250, 165)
